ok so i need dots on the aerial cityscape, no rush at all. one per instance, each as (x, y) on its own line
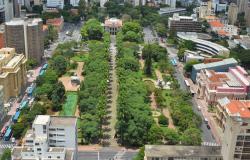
(125, 80)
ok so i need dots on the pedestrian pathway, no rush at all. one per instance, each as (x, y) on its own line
(109, 135)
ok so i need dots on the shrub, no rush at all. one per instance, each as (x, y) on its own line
(163, 120)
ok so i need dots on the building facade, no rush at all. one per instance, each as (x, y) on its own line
(212, 85)
(12, 72)
(50, 138)
(233, 116)
(26, 36)
(232, 13)
(112, 25)
(6, 11)
(55, 4)
(184, 23)
(2, 110)
(205, 9)
(221, 66)
(177, 152)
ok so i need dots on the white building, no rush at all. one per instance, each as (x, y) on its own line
(55, 4)
(50, 138)
(102, 2)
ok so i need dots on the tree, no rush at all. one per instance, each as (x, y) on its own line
(188, 44)
(92, 30)
(148, 64)
(6, 154)
(181, 54)
(52, 33)
(131, 36)
(37, 9)
(162, 120)
(113, 8)
(131, 26)
(171, 136)
(82, 8)
(31, 63)
(191, 136)
(189, 65)
(18, 130)
(140, 154)
(155, 135)
(90, 131)
(161, 29)
(59, 64)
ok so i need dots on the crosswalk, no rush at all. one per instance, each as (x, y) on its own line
(209, 144)
(5, 146)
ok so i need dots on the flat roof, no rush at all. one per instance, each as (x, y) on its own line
(215, 64)
(42, 119)
(63, 120)
(182, 151)
(216, 46)
(14, 60)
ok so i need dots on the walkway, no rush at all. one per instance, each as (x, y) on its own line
(109, 129)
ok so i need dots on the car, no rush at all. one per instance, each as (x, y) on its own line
(208, 127)
(206, 120)
(199, 108)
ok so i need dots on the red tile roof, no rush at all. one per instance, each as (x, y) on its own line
(216, 24)
(239, 107)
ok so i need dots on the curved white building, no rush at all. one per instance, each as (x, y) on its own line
(204, 45)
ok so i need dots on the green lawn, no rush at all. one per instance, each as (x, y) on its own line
(80, 57)
(69, 107)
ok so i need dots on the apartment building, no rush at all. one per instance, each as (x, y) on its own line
(175, 152)
(233, 116)
(6, 11)
(112, 25)
(12, 72)
(205, 8)
(51, 137)
(184, 23)
(232, 13)
(2, 110)
(26, 36)
(233, 84)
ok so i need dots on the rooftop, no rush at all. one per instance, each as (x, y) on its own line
(63, 121)
(236, 108)
(55, 21)
(182, 151)
(216, 24)
(42, 119)
(113, 22)
(215, 64)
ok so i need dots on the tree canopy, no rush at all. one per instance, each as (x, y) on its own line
(92, 30)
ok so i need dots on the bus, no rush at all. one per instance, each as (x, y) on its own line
(3, 131)
(8, 134)
(41, 73)
(16, 116)
(23, 104)
(30, 89)
(187, 83)
(45, 66)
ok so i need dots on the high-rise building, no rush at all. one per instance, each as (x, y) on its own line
(50, 138)
(12, 72)
(232, 13)
(233, 116)
(205, 8)
(16, 8)
(2, 111)
(242, 5)
(247, 15)
(26, 36)
(6, 10)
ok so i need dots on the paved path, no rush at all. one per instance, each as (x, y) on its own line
(114, 93)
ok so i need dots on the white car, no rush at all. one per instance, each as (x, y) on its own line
(199, 108)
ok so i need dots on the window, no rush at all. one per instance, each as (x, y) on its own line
(49, 157)
(58, 157)
(39, 149)
(36, 144)
(240, 137)
(52, 129)
(248, 131)
(60, 129)
(29, 141)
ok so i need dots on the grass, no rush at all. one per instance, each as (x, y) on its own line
(69, 107)
(80, 57)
